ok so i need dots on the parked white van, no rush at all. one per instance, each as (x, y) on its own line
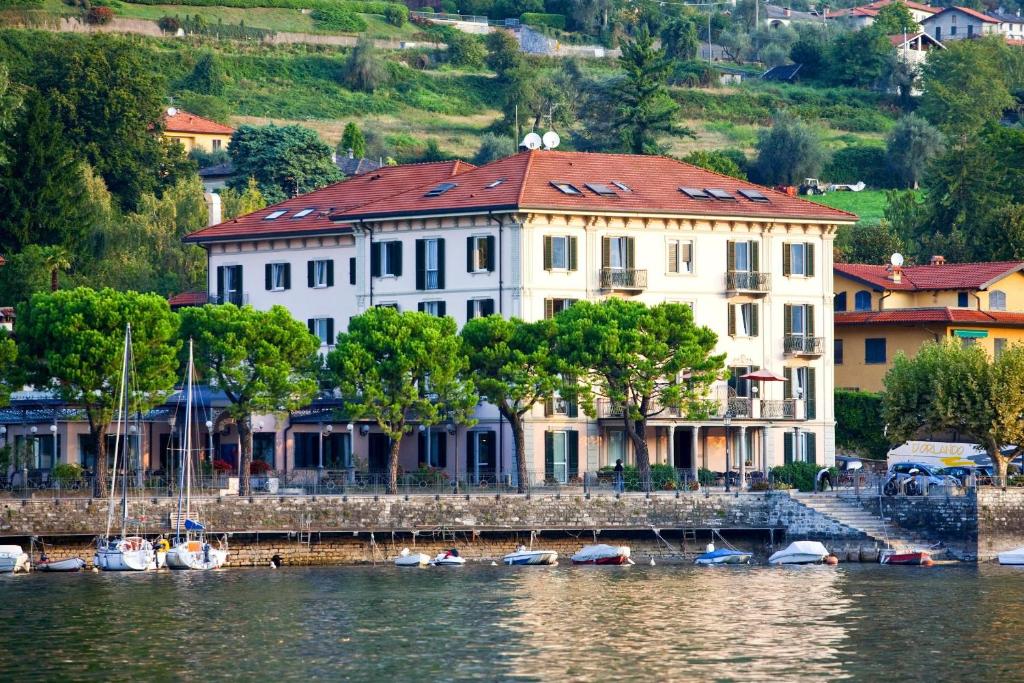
(940, 454)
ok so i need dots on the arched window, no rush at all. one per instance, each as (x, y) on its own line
(862, 301)
(840, 303)
(997, 300)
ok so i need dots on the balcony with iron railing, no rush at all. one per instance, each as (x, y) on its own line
(747, 282)
(624, 279)
(737, 407)
(778, 409)
(804, 345)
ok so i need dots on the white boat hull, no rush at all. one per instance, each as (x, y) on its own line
(798, 559)
(73, 564)
(126, 555)
(448, 561)
(531, 557)
(13, 560)
(603, 555)
(412, 560)
(196, 555)
(800, 552)
(1012, 557)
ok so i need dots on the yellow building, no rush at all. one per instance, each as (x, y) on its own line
(882, 310)
(195, 132)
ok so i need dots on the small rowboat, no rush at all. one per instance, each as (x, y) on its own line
(723, 556)
(72, 564)
(411, 559)
(909, 557)
(603, 555)
(522, 556)
(449, 558)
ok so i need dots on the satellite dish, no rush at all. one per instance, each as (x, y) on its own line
(531, 141)
(551, 139)
(171, 111)
(896, 259)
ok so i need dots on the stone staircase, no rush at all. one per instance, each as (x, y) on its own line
(851, 514)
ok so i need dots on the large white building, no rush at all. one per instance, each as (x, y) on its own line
(527, 236)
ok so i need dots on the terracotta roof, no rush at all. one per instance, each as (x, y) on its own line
(650, 185)
(899, 39)
(339, 197)
(871, 9)
(185, 122)
(921, 278)
(969, 12)
(6, 313)
(188, 299)
(911, 316)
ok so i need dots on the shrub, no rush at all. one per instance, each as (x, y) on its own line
(169, 24)
(67, 473)
(464, 49)
(396, 15)
(339, 18)
(706, 477)
(540, 19)
(798, 474)
(717, 161)
(222, 466)
(860, 162)
(99, 16)
(859, 424)
(259, 467)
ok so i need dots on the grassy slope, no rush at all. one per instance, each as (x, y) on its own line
(868, 204)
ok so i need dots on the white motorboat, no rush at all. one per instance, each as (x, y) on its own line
(602, 554)
(1015, 556)
(410, 559)
(522, 556)
(13, 559)
(448, 558)
(72, 564)
(715, 556)
(191, 550)
(800, 552)
(123, 553)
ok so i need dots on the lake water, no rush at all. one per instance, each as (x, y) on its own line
(864, 622)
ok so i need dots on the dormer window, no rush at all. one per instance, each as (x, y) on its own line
(566, 188)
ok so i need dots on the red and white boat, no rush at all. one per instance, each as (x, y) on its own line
(602, 554)
(906, 557)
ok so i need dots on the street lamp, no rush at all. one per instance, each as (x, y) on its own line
(726, 422)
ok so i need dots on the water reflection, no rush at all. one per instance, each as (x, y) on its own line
(523, 623)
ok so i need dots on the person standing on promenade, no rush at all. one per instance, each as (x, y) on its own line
(824, 476)
(620, 483)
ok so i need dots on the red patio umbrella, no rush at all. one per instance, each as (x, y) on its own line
(763, 375)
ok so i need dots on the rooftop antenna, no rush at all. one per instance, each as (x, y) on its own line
(551, 140)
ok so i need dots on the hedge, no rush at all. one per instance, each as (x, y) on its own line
(390, 10)
(869, 163)
(339, 19)
(540, 19)
(859, 424)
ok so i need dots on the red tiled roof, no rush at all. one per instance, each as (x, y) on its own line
(911, 316)
(653, 182)
(918, 278)
(969, 12)
(185, 122)
(899, 39)
(187, 299)
(339, 197)
(871, 9)
(6, 313)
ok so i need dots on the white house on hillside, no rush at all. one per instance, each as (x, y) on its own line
(959, 23)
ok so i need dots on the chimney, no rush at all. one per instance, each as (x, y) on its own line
(787, 11)
(213, 208)
(897, 274)
(937, 260)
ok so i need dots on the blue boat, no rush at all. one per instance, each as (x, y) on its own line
(723, 556)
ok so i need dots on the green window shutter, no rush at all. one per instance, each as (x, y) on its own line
(442, 309)
(396, 250)
(672, 246)
(220, 283)
(469, 253)
(787, 260)
(606, 252)
(549, 407)
(549, 309)
(310, 265)
(812, 393)
(787, 319)
(549, 456)
(630, 244)
(547, 252)
(810, 320)
(787, 386)
(755, 329)
(440, 264)
(287, 276)
(375, 259)
(572, 440)
(811, 455)
(573, 262)
(421, 264)
(755, 256)
(311, 324)
(330, 331)
(421, 306)
(352, 270)
(732, 320)
(809, 250)
(268, 276)
(572, 409)
(487, 307)
(490, 253)
(787, 447)
(469, 310)
(330, 272)
(730, 256)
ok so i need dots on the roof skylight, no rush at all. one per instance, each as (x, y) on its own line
(754, 195)
(494, 184)
(566, 188)
(694, 193)
(274, 214)
(440, 189)
(601, 189)
(622, 186)
(718, 193)
(303, 213)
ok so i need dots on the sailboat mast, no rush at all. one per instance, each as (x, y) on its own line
(117, 433)
(188, 436)
(128, 361)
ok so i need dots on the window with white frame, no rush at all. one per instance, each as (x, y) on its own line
(743, 320)
(680, 256)
(481, 258)
(433, 264)
(560, 252)
(322, 329)
(798, 259)
(618, 258)
(433, 308)
(320, 268)
(278, 277)
(997, 300)
(479, 308)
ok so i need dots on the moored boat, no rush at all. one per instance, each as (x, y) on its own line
(602, 554)
(800, 552)
(132, 553)
(13, 559)
(907, 557)
(448, 558)
(715, 556)
(522, 556)
(72, 564)
(410, 559)
(1012, 557)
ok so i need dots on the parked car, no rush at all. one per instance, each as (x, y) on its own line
(915, 479)
(983, 474)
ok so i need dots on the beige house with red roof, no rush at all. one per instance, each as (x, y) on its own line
(863, 16)
(959, 23)
(883, 310)
(195, 132)
(529, 235)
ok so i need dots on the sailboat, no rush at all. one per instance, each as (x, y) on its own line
(123, 553)
(191, 551)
